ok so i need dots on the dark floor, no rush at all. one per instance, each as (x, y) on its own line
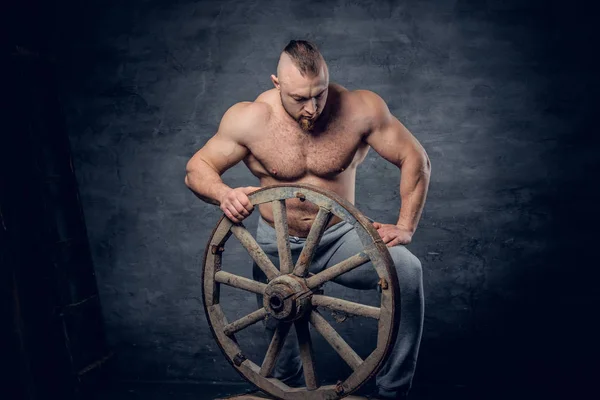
(159, 391)
(210, 391)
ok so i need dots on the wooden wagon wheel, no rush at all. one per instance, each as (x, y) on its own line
(289, 294)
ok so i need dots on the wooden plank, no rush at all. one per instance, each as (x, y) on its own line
(306, 354)
(255, 251)
(282, 231)
(312, 241)
(338, 269)
(346, 306)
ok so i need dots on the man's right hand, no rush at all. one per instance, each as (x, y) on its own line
(236, 205)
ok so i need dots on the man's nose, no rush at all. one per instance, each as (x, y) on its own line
(311, 106)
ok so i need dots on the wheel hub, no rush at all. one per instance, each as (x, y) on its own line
(287, 298)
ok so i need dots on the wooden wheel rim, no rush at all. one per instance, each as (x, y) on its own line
(376, 252)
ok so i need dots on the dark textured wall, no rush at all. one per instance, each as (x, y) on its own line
(501, 95)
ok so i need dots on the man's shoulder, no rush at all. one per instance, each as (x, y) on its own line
(246, 117)
(358, 97)
(262, 108)
(368, 97)
(372, 106)
(249, 111)
(362, 103)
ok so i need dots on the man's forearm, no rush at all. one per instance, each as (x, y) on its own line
(414, 183)
(206, 183)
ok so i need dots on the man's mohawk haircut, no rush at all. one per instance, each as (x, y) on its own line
(305, 55)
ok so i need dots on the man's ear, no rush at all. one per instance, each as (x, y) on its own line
(275, 81)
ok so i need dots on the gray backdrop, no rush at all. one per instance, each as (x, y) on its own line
(499, 94)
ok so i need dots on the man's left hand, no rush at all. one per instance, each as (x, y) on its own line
(393, 235)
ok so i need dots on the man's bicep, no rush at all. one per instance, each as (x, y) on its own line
(224, 149)
(387, 135)
(393, 141)
(220, 153)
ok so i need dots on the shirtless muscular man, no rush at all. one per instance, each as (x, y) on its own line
(308, 130)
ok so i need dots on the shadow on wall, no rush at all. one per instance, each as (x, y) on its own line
(524, 299)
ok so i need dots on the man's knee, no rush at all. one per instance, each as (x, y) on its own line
(408, 267)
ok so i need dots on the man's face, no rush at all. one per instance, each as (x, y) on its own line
(304, 97)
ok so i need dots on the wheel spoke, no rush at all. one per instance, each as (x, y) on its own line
(306, 354)
(257, 254)
(275, 348)
(245, 322)
(240, 282)
(335, 340)
(349, 307)
(312, 241)
(283, 242)
(338, 269)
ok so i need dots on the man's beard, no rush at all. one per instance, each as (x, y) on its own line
(306, 124)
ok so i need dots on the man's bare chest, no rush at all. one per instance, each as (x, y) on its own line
(289, 154)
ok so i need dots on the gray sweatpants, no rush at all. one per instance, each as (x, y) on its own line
(338, 243)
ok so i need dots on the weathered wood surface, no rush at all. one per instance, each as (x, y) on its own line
(283, 243)
(346, 306)
(255, 251)
(336, 270)
(312, 241)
